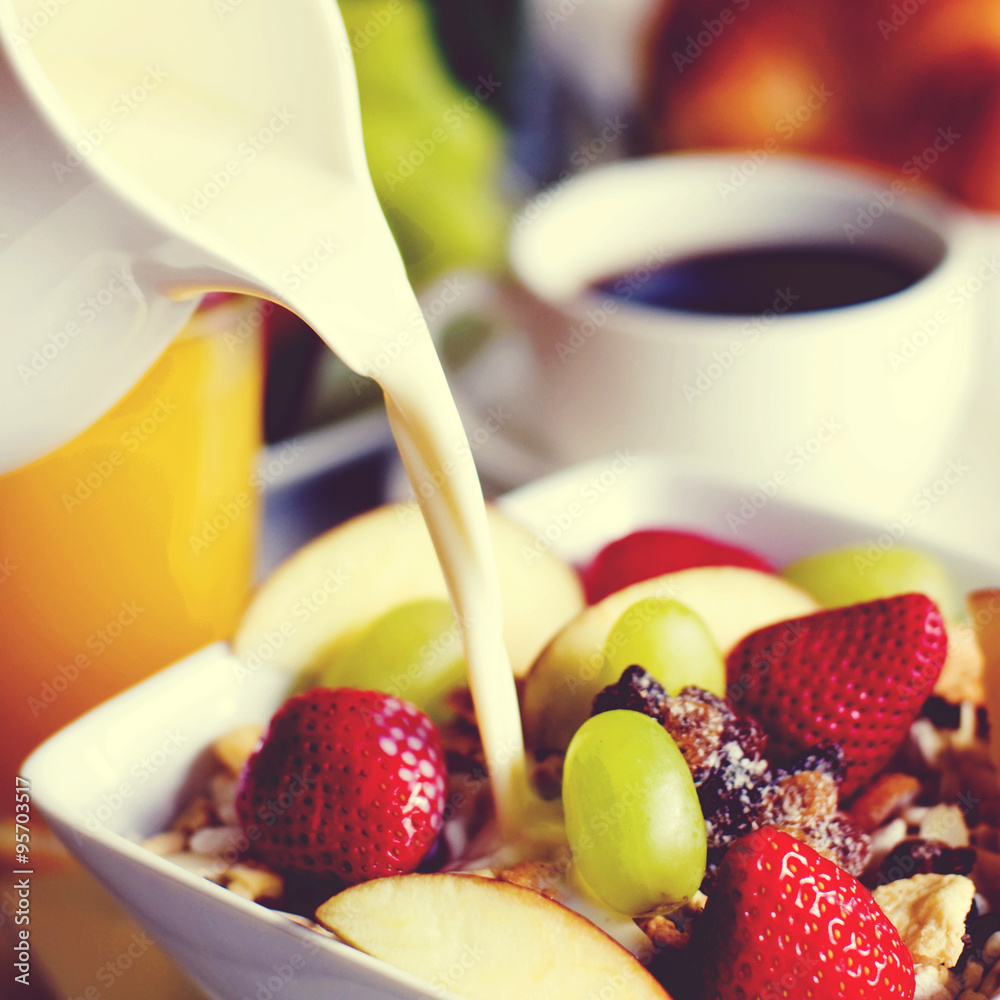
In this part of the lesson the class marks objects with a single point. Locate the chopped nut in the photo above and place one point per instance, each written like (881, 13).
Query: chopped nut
(664, 933)
(961, 676)
(253, 881)
(204, 865)
(223, 789)
(538, 875)
(197, 813)
(927, 743)
(697, 726)
(929, 912)
(886, 798)
(217, 840)
(934, 982)
(886, 838)
(972, 975)
(991, 983)
(233, 749)
(945, 823)
(697, 902)
(801, 799)
(169, 842)
(991, 950)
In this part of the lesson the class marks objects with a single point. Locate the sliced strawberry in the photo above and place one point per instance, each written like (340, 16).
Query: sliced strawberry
(345, 783)
(783, 921)
(655, 551)
(856, 675)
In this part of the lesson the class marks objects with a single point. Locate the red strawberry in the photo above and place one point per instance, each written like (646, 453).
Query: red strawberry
(856, 675)
(783, 921)
(655, 551)
(345, 782)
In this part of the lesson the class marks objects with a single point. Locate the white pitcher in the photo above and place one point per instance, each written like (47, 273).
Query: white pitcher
(98, 269)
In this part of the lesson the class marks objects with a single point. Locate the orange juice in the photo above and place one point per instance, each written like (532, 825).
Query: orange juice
(133, 544)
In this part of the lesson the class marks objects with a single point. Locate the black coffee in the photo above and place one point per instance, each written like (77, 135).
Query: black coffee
(747, 282)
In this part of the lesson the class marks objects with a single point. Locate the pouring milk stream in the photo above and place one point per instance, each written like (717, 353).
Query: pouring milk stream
(233, 131)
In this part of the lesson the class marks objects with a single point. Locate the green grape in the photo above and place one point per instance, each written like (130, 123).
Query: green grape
(670, 641)
(867, 572)
(632, 815)
(413, 651)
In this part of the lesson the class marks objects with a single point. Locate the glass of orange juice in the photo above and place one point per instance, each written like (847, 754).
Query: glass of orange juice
(133, 544)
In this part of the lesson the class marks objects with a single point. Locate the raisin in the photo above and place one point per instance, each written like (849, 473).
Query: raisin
(636, 691)
(925, 857)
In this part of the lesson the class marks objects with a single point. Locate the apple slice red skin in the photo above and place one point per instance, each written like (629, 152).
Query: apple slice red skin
(651, 552)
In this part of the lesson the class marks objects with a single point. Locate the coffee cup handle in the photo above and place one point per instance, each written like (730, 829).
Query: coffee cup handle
(458, 297)
(493, 377)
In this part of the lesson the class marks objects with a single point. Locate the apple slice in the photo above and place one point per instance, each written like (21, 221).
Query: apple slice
(732, 601)
(320, 599)
(485, 939)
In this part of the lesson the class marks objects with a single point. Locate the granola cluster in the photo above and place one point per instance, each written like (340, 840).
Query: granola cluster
(739, 789)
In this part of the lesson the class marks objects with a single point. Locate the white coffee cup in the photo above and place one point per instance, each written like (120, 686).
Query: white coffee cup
(851, 407)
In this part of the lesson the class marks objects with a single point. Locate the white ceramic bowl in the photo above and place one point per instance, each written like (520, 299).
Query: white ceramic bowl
(123, 770)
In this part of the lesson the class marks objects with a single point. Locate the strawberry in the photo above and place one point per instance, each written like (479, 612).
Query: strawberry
(856, 675)
(783, 921)
(655, 551)
(345, 783)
